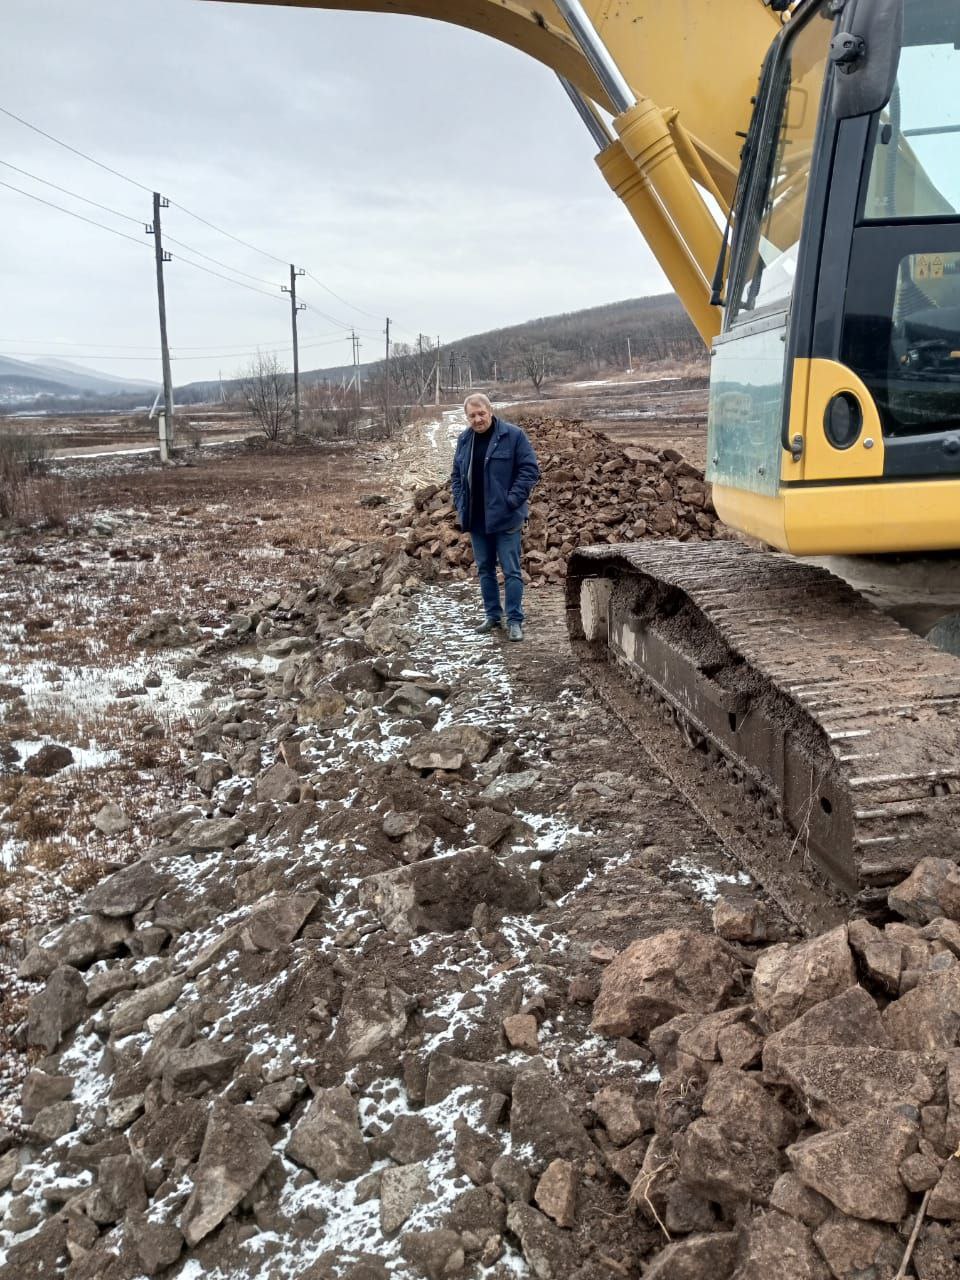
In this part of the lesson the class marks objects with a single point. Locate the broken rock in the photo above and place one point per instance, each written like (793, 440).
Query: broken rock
(928, 1017)
(856, 1167)
(556, 1192)
(541, 1116)
(327, 1138)
(56, 1009)
(931, 889)
(699, 1257)
(788, 980)
(234, 1154)
(441, 893)
(775, 1245)
(838, 1085)
(402, 1189)
(677, 971)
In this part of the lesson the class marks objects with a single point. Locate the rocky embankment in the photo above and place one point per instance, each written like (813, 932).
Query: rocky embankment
(334, 1020)
(591, 490)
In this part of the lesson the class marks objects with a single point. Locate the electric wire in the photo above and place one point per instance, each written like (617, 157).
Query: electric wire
(173, 204)
(129, 218)
(73, 194)
(228, 234)
(83, 155)
(73, 214)
(352, 305)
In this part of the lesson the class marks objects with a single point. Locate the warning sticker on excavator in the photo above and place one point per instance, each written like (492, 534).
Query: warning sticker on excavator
(929, 266)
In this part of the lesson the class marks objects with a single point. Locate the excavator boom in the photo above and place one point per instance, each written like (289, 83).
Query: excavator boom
(679, 135)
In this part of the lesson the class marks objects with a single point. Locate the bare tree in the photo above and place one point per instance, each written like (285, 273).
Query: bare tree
(266, 388)
(535, 362)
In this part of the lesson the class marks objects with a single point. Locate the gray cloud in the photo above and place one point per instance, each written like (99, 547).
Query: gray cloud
(414, 167)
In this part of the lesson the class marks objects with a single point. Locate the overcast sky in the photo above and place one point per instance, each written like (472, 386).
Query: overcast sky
(416, 169)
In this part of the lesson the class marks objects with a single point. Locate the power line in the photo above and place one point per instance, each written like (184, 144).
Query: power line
(226, 265)
(126, 178)
(229, 279)
(151, 346)
(352, 305)
(190, 213)
(47, 183)
(102, 225)
(228, 234)
(83, 155)
(130, 218)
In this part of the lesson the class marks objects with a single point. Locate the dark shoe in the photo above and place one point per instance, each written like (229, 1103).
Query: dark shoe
(515, 632)
(491, 624)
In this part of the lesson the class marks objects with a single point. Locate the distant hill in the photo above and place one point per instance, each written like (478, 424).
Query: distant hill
(568, 344)
(25, 379)
(595, 337)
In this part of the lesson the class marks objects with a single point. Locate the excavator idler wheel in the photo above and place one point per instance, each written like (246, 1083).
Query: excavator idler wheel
(594, 609)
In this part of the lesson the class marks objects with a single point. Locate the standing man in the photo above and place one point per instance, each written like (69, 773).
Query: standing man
(494, 470)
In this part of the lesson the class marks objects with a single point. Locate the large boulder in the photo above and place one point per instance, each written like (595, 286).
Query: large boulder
(856, 1167)
(788, 980)
(928, 1017)
(441, 893)
(838, 1085)
(77, 943)
(931, 889)
(128, 890)
(57, 1009)
(234, 1154)
(327, 1138)
(677, 971)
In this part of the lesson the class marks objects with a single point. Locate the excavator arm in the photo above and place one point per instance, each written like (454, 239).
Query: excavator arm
(677, 78)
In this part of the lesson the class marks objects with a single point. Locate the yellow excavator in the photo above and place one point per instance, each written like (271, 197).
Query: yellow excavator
(794, 165)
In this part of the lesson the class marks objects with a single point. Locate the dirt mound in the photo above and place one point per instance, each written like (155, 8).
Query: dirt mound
(591, 490)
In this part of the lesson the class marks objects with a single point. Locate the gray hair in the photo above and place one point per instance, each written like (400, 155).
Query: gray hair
(477, 398)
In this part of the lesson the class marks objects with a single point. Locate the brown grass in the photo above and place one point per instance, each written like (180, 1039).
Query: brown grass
(39, 826)
(85, 871)
(48, 855)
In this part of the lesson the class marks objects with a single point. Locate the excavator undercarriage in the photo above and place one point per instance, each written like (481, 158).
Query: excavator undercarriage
(832, 721)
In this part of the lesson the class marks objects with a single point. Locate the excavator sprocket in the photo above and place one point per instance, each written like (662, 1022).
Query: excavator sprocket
(839, 724)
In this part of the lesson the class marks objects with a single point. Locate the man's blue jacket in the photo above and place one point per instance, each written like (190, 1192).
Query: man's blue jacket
(509, 473)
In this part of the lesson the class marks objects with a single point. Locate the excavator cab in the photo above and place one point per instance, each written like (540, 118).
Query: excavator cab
(834, 423)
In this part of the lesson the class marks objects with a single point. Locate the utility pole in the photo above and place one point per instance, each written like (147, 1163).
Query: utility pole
(386, 386)
(436, 396)
(355, 339)
(420, 378)
(162, 256)
(629, 357)
(294, 308)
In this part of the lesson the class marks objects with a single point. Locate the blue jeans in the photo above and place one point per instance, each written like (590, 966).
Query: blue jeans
(488, 548)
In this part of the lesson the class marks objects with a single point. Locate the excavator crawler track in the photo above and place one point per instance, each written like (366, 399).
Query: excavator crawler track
(837, 723)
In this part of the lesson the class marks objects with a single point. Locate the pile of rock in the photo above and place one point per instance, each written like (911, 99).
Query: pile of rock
(324, 1026)
(807, 1126)
(591, 491)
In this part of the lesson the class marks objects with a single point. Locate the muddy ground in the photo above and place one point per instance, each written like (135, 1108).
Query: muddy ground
(617, 853)
(338, 942)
